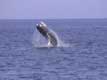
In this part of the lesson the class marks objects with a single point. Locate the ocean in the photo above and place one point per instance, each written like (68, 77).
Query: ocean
(84, 59)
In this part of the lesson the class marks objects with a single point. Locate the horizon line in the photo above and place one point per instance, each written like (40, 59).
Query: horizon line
(46, 18)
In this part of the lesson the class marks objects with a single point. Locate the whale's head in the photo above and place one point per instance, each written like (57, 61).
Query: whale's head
(42, 28)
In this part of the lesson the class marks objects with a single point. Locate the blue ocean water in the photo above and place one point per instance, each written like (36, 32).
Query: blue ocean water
(85, 59)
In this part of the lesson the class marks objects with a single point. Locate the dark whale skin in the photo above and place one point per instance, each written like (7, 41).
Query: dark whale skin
(42, 30)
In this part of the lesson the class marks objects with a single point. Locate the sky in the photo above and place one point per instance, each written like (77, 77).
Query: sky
(52, 9)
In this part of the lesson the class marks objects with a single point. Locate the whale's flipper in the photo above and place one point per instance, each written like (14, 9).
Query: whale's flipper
(52, 40)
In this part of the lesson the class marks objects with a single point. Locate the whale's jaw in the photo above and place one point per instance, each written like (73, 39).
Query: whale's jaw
(50, 36)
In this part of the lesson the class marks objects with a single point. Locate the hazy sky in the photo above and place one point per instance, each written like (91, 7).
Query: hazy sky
(34, 9)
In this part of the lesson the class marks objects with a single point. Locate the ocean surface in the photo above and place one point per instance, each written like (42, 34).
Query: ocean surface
(84, 59)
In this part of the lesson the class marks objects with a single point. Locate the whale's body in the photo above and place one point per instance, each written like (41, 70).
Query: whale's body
(48, 34)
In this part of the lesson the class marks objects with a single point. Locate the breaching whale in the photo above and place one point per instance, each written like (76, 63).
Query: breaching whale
(48, 34)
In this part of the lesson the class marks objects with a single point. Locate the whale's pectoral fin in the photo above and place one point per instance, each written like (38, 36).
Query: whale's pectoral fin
(52, 40)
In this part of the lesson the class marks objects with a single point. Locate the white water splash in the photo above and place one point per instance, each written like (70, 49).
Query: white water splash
(38, 40)
(60, 42)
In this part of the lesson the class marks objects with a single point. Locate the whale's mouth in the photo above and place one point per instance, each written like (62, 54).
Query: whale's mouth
(50, 36)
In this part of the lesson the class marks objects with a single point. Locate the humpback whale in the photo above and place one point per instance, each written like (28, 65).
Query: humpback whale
(48, 34)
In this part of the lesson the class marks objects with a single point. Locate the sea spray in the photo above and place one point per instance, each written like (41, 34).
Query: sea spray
(61, 43)
(38, 40)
